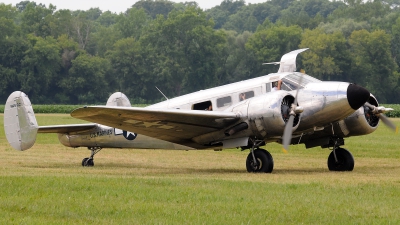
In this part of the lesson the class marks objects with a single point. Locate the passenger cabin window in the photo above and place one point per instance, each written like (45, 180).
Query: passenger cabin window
(207, 105)
(225, 101)
(246, 95)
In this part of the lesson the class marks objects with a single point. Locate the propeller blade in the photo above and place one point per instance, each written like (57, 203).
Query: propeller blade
(389, 123)
(287, 134)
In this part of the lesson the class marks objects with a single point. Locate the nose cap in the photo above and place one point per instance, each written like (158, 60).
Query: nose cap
(357, 96)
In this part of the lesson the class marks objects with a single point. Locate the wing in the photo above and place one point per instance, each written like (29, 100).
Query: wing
(173, 125)
(66, 128)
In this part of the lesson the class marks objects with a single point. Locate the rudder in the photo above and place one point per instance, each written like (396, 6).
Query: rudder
(20, 124)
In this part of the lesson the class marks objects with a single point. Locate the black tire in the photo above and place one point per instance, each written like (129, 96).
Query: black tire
(90, 162)
(265, 163)
(345, 160)
(271, 161)
(84, 161)
(87, 162)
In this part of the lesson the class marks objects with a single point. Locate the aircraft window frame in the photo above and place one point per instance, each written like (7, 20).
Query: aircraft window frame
(288, 86)
(224, 101)
(292, 81)
(247, 95)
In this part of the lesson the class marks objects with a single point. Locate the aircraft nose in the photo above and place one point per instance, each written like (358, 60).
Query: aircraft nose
(357, 96)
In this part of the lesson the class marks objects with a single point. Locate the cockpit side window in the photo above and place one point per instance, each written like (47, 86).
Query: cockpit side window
(288, 86)
(296, 80)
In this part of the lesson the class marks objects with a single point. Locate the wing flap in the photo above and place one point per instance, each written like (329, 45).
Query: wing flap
(178, 126)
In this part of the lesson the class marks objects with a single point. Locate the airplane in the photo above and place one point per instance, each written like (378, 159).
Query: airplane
(246, 115)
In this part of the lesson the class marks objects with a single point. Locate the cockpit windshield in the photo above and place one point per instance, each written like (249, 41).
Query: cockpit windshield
(296, 80)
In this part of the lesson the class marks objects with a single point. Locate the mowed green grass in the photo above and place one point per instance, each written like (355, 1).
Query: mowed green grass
(47, 185)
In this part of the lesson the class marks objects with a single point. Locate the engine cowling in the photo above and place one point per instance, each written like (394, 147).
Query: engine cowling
(268, 114)
(361, 122)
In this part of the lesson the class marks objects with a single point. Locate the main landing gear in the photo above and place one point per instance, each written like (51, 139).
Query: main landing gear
(259, 160)
(340, 159)
(89, 161)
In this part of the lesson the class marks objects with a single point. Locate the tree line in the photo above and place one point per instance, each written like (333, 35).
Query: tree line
(81, 57)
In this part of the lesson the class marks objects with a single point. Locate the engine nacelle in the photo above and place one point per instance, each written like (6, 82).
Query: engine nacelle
(361, 122)
(262, 116)
(268, 114)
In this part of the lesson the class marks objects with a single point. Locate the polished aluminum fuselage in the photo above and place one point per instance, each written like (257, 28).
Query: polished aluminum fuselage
(108, 137)
(325, 106)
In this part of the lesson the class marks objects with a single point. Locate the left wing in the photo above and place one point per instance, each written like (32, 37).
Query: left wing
(173, 125)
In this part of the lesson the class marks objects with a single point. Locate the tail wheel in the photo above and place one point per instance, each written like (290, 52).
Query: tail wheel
(87, 162)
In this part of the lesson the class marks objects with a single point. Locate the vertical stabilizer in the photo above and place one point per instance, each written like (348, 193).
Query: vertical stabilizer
(288, 61)
(20, 124)
(118, 99)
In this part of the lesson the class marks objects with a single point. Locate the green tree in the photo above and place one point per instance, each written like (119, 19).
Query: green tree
(82, 29)
(131, 23)
(127, 63)
(105, 38)
(63, 23)
(327, 58)
(87, 80)
(395, 42)
(360, 10)
(345, 26)
(220, 13)
(38, 19)
(268, 45)
(155, 7)
(185, 50)
(7, 16)
(242, 20)
(372, 64)
(107, 19)
(40, 63)
(238, 62)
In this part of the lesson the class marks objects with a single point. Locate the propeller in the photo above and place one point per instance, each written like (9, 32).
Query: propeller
(294, 109)
(378, 111)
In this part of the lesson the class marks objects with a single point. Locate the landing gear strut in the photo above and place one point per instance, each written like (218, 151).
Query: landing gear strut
(340, 159)
(259, 160)
(89, 161)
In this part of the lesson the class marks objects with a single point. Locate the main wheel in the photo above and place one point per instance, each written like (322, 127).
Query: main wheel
(264, 162)
(345, 160)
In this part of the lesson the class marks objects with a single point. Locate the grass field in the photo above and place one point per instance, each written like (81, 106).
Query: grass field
(47, 185)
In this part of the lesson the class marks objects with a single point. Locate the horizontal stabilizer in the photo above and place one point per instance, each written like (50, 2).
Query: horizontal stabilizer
(66, 128)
